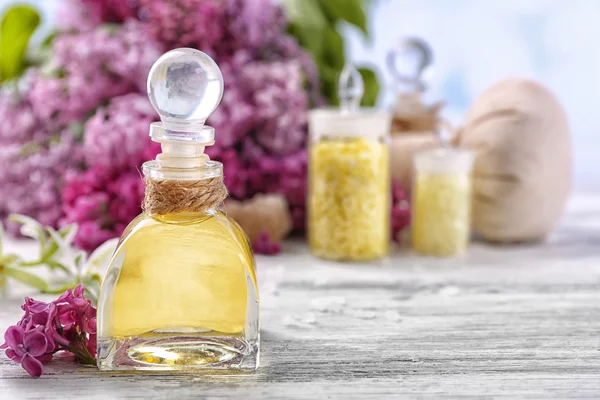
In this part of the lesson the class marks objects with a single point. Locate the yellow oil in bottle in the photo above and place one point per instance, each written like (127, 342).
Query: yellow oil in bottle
(180, 292)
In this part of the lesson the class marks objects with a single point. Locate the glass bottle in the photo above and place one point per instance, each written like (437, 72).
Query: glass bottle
(180, 291)
(441, 222)
(349, 180)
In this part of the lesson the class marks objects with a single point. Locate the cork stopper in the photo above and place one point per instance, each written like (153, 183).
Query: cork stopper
(184, 86)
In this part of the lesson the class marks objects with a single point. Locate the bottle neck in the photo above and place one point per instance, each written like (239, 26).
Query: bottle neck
(185, 218)
(159, 169)
(183, 190)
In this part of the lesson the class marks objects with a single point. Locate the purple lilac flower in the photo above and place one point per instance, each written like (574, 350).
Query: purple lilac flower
(185, 23)
(33, 163)
(117, 135)
(281, 105)
(264, 245)
(401, 211)
(18, 124)
(102, 201)
(234, 118)
(285, 175)
(254, 24)
(91, 67)
(83, 15)
(25, 348)
(261, 123)
(234, 174)
(115, 11)
(67, 323)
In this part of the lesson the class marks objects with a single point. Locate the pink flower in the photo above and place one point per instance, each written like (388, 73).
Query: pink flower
(234, 173)
(117, 135)
(185, 23)
(112, 10)
(102, 201)
(264, 245)
(32, 176)
(95, 78)
(255, 24)
(285, 175)
(77, 311)
(67, 323)
(41, 315)
(91, 67)
(127, 192)
(25, 347)
(88, 14)
(401, 211)
(233, 119)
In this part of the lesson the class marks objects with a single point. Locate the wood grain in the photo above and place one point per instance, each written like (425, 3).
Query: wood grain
(503, 322)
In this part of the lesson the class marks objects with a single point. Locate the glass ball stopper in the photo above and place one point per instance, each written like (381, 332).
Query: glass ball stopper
(184, 86)
(409, 62)
(351, 89)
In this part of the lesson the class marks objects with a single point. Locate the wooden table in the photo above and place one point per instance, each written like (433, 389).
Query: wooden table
(502, 322)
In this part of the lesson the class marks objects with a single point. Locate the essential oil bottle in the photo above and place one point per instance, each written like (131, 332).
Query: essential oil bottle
(180, 291)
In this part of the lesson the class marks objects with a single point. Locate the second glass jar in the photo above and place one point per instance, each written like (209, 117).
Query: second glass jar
(441, 204)
(349, 185)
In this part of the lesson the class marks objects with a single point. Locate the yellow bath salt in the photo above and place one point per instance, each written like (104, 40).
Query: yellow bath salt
(349, 201)
(441, 203)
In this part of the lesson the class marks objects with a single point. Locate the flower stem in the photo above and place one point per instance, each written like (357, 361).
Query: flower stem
(82, 355)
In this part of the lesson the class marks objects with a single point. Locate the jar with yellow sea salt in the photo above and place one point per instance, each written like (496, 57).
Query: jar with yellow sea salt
(441, 204)
(349, 180)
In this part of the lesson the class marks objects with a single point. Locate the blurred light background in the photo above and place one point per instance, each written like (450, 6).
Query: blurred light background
(478, 42)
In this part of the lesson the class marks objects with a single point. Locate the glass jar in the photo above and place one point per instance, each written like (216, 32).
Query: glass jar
(349, 185)
(180, 291)
(442, 201)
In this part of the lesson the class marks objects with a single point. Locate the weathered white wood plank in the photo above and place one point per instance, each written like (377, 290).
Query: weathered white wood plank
(511, 322)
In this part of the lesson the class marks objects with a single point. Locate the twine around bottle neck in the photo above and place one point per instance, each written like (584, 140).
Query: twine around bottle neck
(170, 196)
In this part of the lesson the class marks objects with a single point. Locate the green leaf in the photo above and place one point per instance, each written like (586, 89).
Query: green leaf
(60, 240)
(30, 228)
(49, 39)
(27, 264)
(48, 252)
(17, 26)
(315, 24)
(59, 289)
(56, 265)
(307, 24)
(305, 13)
(310, 39)
(334, 56)
(350, 11)
(329, 83)
(68, 233)
(79, 262)
(10, 259)
(371, 87)
(26, 277)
